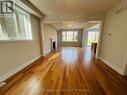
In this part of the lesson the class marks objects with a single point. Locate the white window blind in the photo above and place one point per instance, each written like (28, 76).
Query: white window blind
(10, 27)
(16, 26)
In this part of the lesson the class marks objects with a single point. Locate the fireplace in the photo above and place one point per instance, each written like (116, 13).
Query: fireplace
(53, 43)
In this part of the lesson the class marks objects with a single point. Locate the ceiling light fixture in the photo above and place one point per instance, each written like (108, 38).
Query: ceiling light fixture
(69, 25)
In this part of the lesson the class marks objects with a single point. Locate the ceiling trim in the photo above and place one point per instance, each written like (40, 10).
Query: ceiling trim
(34, 8)
(54, 27)
(85, 18)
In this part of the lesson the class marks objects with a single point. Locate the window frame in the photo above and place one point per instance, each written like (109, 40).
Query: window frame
(66, 36)
(95, 38)
(29, 36)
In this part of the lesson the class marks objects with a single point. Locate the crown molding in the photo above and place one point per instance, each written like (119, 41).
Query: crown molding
(34, 8)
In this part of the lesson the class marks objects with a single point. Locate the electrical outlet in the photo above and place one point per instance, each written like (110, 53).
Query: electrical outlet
(2, 84)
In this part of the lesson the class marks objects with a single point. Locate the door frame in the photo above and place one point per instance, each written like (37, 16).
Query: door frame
(99, 40)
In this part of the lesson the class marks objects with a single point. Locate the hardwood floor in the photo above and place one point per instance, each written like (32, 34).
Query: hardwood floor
(69, 71)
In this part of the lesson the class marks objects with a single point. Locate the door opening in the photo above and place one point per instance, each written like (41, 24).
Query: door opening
(93, 34)
(91, 37)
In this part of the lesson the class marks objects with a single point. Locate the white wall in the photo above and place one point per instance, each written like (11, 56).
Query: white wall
(49, 32)
(17, 54)
(84, 38)
(114, 46)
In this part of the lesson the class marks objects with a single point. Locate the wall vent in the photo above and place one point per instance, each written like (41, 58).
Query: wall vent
(120, 10)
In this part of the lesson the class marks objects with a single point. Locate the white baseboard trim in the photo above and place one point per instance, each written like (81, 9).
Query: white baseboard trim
(9, 74)
(112, 66)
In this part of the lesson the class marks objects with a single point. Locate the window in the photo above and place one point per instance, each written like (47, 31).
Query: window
(75, 36)
(92, 37)
(1, 31)
(16, 26)
(93, 34)
(69, 36)
(64, 36)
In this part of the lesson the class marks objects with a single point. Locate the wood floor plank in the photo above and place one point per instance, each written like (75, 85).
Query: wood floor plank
(68, 71)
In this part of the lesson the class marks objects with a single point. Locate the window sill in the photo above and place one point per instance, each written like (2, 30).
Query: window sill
(16, 40)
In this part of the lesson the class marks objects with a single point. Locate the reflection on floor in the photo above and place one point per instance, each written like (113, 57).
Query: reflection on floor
(69, 55)
(69, 71)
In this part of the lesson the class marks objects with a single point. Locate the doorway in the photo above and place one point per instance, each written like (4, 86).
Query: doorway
(91, 35)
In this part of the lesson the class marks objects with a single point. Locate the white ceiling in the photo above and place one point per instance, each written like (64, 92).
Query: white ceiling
(59, 11)
(73, 7)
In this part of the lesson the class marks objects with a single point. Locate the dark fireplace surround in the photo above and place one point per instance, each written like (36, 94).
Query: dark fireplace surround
(53, 43)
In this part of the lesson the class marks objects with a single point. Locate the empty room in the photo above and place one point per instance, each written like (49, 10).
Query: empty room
(63, 47)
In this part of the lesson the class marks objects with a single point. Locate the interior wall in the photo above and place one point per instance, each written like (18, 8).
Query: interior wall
(114, 48)
(72, 44)
(84, 38)
(58, 38)
(49, 32)
(16, 54)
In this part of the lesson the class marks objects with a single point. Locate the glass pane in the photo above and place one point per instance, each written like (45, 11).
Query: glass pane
(97, 37)
(4, 7)
(27, 27)
(1, 34)
(70, 36)
(22, 30)
(15, 26)
(91, 38)
(10, 27)
(63, 36)
(75, 36)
